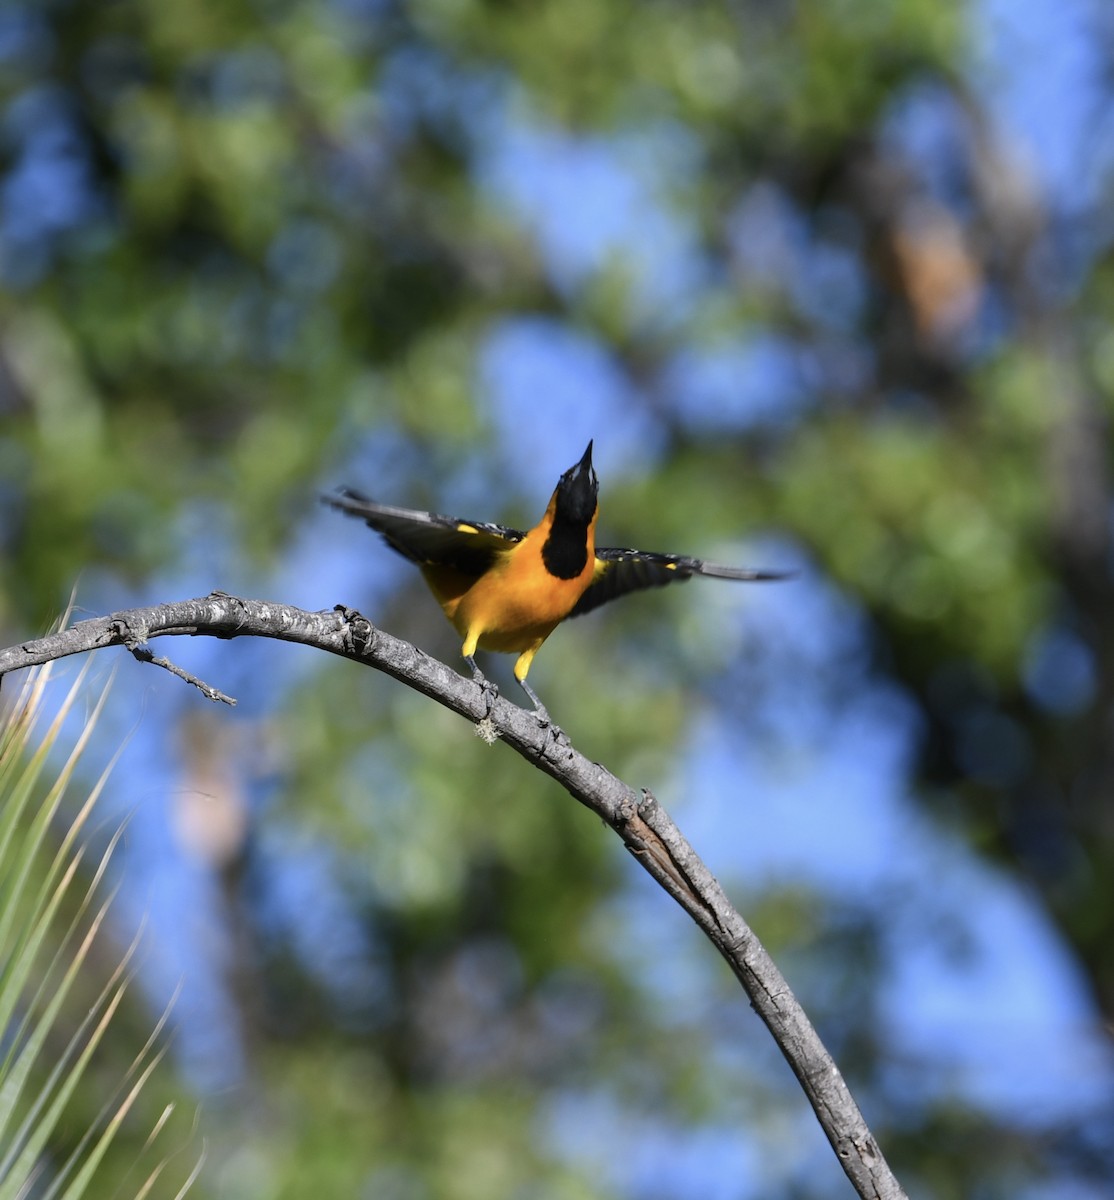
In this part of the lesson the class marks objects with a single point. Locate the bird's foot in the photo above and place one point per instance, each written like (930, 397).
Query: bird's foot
(554, 734)
(553, 731)
(556, 739)
(485, 727)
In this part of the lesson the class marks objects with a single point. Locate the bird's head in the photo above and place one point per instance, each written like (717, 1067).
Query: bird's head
(576, 492)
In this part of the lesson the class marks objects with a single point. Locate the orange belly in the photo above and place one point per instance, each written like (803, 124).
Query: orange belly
(514, 606)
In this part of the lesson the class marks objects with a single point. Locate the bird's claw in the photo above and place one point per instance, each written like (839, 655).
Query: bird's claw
(553, 732)
(491, 694)
(489, 689)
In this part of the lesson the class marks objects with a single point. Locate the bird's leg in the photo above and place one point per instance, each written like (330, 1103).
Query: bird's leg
(553, 732)
(521, 666)
(490, 690)
(539, 708)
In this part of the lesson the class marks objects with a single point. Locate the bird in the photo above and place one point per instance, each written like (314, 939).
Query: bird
(507, 589)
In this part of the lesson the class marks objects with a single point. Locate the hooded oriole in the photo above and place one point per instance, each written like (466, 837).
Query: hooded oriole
(506, 589)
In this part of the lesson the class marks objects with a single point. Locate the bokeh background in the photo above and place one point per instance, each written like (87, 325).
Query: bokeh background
(830, 283)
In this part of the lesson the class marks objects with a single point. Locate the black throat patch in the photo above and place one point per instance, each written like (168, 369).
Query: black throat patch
(565, 552)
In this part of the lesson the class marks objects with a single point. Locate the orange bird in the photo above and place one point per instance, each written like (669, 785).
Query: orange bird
(507, 589)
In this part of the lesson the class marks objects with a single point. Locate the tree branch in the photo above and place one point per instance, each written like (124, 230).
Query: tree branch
(644, 826)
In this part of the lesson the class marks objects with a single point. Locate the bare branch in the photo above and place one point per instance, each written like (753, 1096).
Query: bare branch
(142, 654)
(643, 824)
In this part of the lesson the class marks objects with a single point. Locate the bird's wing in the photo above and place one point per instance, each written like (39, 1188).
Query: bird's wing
(621, 571)
(429, 539)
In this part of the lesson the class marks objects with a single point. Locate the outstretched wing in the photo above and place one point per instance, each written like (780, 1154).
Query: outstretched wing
(427, 538)
(621, 571)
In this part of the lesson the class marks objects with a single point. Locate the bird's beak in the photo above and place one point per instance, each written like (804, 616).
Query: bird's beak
(581, 470)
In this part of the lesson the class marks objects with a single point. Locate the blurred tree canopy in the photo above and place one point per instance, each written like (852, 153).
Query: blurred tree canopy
(784, 261)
